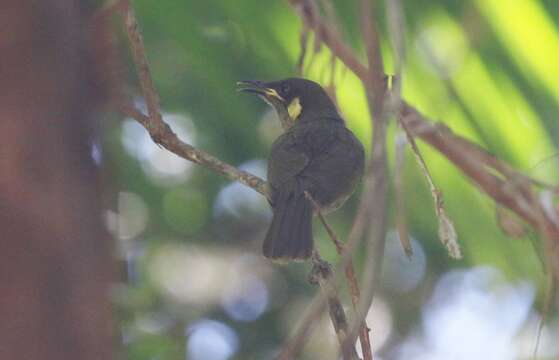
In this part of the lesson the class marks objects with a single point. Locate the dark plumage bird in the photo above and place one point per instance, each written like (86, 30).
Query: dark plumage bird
(317, 154)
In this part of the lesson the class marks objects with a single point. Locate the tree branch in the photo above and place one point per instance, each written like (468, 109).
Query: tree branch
(329, 36)
(352, 280)
(464, 154)
(321, 274)
(511, 189)
(163, 135)
(169, 140)
(377, 173)
(160, 131)
(477, 163)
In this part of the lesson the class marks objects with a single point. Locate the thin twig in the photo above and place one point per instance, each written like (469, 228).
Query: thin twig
(401, 223)
(311, 19)
(375, 177)
(396, 31)
(375, 181)
(473, 161)
(156, 125)
(321, 274)
(375, 73)
(163, 135)
(377, 228)
(376, 100)
(169, 140)
(447, 233)
(467, 156)
(329, 230)
(329, 36)
(463, 153)
(351, 278)
(396, 26)
(160, 132)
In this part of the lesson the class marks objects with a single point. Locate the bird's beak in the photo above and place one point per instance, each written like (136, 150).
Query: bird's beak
(260, 88)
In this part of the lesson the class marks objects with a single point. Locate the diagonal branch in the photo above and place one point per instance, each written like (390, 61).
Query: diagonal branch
(160, 132)
(447, 233)
(493, 176)
(377, 174)
(329, 36)
(352, 280)
(170, 141)
(321, 274)
(482, 168)
(464, 154)
(163, 135)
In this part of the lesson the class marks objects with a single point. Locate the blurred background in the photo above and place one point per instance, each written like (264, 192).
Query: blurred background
(193, 282)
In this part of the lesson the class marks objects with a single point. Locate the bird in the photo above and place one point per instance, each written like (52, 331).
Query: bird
(316, 162)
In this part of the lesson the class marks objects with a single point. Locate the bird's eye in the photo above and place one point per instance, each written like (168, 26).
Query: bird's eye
(285, 88)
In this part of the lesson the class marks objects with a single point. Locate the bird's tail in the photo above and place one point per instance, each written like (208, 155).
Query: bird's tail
(290, 234)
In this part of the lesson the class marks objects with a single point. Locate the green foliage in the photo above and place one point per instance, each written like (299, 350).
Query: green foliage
(487, 70)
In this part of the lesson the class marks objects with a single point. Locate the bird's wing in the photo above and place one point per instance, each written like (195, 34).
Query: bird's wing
(288, 158)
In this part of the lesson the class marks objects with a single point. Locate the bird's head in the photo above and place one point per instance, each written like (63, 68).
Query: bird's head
(294, 99)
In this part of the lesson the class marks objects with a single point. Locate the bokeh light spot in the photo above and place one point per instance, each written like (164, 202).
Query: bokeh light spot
(443, 44)
(238, 200)
(131, 217)
(245, 299)
(163, 167)
(400, 273)
(189, 274)
(96, 153)
(210, 340)
(473, 314)
(379, 319)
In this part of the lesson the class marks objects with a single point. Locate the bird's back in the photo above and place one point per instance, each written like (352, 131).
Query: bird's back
(322, 157)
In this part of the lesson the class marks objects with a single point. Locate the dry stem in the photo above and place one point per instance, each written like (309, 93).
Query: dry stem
(493, 176)
(163, 135)
(472, 160)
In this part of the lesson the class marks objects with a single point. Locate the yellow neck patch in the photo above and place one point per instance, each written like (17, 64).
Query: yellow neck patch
(294, 109)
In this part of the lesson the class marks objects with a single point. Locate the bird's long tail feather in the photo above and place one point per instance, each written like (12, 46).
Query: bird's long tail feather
(290, 233)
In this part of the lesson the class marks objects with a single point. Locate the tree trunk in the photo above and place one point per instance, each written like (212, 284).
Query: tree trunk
(55, 265)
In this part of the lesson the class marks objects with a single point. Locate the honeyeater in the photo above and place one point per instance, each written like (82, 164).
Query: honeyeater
(316, 155)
